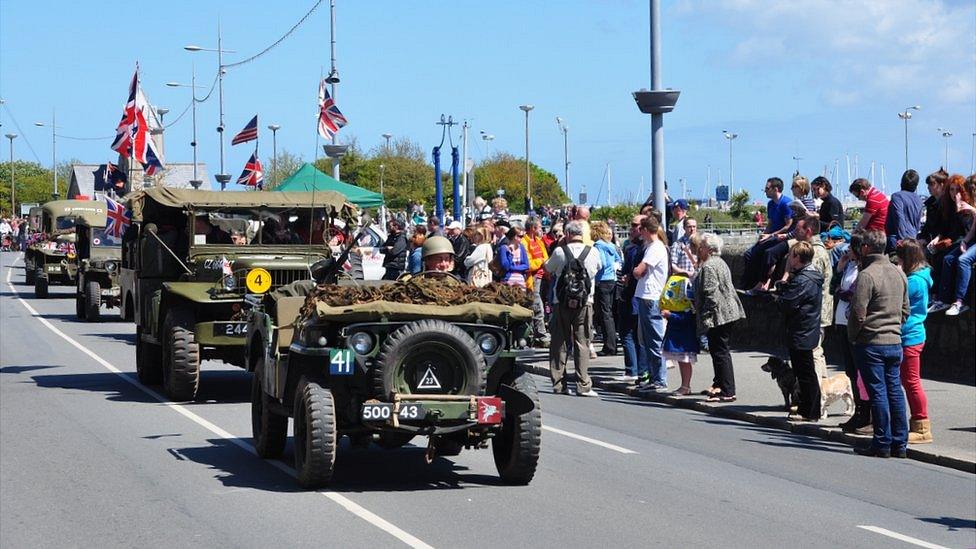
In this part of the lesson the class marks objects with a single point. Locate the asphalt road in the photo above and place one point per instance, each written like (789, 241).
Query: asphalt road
(90, 457)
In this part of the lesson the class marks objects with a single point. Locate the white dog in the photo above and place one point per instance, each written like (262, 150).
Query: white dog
(834, 388)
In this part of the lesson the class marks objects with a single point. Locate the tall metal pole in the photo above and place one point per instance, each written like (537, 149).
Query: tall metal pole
(13, 188)
(54, 151)
(274, 151)
(946, 134)
(220, 96)
(566, 157)
(193, 116)
(528, 184)
(907, 116)
(383, 195)
(464, 169)
(657, 119)
(333, 78)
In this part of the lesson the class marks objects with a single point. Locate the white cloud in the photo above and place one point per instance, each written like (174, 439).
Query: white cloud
(856, 49)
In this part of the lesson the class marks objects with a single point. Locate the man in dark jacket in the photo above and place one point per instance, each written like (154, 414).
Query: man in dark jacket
(904, 212)
(396, 249)
(800, 301)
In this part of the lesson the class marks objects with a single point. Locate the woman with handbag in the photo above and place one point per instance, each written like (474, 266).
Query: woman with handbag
(479, 273)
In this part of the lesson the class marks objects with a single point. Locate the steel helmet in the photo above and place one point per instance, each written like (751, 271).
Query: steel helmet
(437, 245)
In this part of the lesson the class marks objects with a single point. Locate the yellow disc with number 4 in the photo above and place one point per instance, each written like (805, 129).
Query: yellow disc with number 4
(258, 281)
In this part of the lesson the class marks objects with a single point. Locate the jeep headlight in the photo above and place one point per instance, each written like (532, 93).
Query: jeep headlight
(361, 343)
(488, 343)
(111, 266)
(229, 283)
(314, 337)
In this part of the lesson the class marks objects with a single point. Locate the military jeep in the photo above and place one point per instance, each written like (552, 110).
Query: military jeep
(385, 372)
(191, 252)
(99, 256)
(50, 258)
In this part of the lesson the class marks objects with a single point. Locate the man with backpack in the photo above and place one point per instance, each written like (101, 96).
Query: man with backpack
(573, 267)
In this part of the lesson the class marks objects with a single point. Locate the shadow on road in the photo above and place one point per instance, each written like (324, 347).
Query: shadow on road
(224, 386)
(356, 470)
(127, 337)
(22, 369)
(952, 524)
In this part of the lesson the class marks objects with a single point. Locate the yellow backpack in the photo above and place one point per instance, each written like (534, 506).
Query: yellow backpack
(676, 296)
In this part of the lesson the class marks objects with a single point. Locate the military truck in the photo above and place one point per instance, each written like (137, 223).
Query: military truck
(99, 249)
(191, 252)
(50, 258)
(385, 372)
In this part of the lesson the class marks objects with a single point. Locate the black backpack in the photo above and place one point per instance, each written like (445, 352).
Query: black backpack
(573, 286)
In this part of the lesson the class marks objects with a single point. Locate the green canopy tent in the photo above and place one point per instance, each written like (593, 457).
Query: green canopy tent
(308, 178)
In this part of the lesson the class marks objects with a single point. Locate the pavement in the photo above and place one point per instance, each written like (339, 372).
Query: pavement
(951, 406)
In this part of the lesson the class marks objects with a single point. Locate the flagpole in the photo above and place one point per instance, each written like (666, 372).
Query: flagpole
(132, 143)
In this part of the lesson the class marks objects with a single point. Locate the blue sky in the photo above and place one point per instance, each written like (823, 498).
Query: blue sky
(819, 79)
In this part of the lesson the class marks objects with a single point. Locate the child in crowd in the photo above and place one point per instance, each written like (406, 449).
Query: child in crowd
(680, 338)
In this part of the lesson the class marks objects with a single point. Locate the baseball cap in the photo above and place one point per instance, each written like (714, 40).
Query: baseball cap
(680, 203)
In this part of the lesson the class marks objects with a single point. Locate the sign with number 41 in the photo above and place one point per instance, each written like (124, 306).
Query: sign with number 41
(341, 362)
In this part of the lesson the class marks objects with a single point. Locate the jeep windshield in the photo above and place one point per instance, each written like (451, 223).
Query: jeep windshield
(243, 227)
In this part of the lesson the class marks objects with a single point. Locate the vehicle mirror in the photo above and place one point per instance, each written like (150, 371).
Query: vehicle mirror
(320, 269)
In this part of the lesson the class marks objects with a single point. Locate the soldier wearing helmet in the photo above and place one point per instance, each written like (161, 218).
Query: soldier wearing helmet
(438, 254)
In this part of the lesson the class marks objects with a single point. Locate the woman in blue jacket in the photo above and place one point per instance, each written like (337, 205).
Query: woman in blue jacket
(513, 258)
(912, 260)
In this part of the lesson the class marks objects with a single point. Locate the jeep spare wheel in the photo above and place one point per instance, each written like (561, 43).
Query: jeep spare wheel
(430, 357)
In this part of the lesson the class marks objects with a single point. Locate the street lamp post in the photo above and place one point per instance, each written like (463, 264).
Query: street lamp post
(387, 136)
(906, 115)
(528, 184)
(946, 134)
(54, 151)
(383, 196)
(221, 177)
(565, 130)
(731, 137)
(274, 150)
(195, 182)
(487, 138)
(13, 189)
(797, 159)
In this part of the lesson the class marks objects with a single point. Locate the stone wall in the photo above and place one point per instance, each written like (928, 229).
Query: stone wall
(950, 348)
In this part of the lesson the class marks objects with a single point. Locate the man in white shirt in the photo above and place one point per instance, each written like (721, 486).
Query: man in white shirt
(571, 322)
(651, 274)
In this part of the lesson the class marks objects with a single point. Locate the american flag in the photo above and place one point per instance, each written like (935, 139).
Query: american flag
(249, 133)
(253, 174)
(117, 219)
(330, 119)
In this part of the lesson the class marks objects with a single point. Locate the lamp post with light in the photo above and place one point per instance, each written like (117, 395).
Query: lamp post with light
(528, 184)
(274, 150)
(54, 151)
(565, 131)
(195, 182)
(13, 188)
(731, 137)
(906, 115)
(946, 134)
(221, 177)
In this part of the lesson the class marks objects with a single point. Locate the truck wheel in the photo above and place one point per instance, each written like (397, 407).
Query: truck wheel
(181, 356)
(315, 434)
(149, 362)
(516, 448)
(40, 285)
(270, 430)
(431, 352)
(28, 274)
(127, 311)
(93, 301)
(80, 303)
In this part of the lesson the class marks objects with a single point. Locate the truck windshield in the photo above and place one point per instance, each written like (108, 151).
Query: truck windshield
(65, 223)
(241, 228)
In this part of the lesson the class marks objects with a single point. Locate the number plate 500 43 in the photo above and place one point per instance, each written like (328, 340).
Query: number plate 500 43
(382, 412)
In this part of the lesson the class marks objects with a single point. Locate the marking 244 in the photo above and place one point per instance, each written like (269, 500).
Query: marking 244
(230, 329)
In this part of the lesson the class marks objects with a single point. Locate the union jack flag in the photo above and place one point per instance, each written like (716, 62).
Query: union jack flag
(249, 133)
(152, 164)
(330, 119)
(253, 174)
(130, 129)
(117, 219)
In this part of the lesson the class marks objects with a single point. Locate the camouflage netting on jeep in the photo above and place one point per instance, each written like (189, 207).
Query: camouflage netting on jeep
(419, 298)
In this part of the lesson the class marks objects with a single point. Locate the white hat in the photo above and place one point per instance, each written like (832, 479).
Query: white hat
(454, 225)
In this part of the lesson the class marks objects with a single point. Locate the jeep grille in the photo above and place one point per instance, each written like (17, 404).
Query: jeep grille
(279, 277)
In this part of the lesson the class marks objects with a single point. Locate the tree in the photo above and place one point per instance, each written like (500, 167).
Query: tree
(621, 213)
(737, 206)
(507, 172)
(34, 183)
(277, 169)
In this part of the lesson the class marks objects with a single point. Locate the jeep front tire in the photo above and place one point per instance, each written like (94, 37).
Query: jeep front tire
(516, 447)
(40, 284)
(93, 301)
(181, 356)
(315, 434)
(149, 362)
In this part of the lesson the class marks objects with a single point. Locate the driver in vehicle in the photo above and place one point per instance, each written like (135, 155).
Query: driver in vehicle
(214, 235)
(438, 254)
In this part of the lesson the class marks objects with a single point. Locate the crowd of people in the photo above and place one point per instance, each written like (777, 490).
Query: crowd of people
(13, 233)
(664, 295)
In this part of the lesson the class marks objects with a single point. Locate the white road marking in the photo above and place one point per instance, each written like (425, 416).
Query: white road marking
(343, 501)
(900, 537)
(606, 445)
